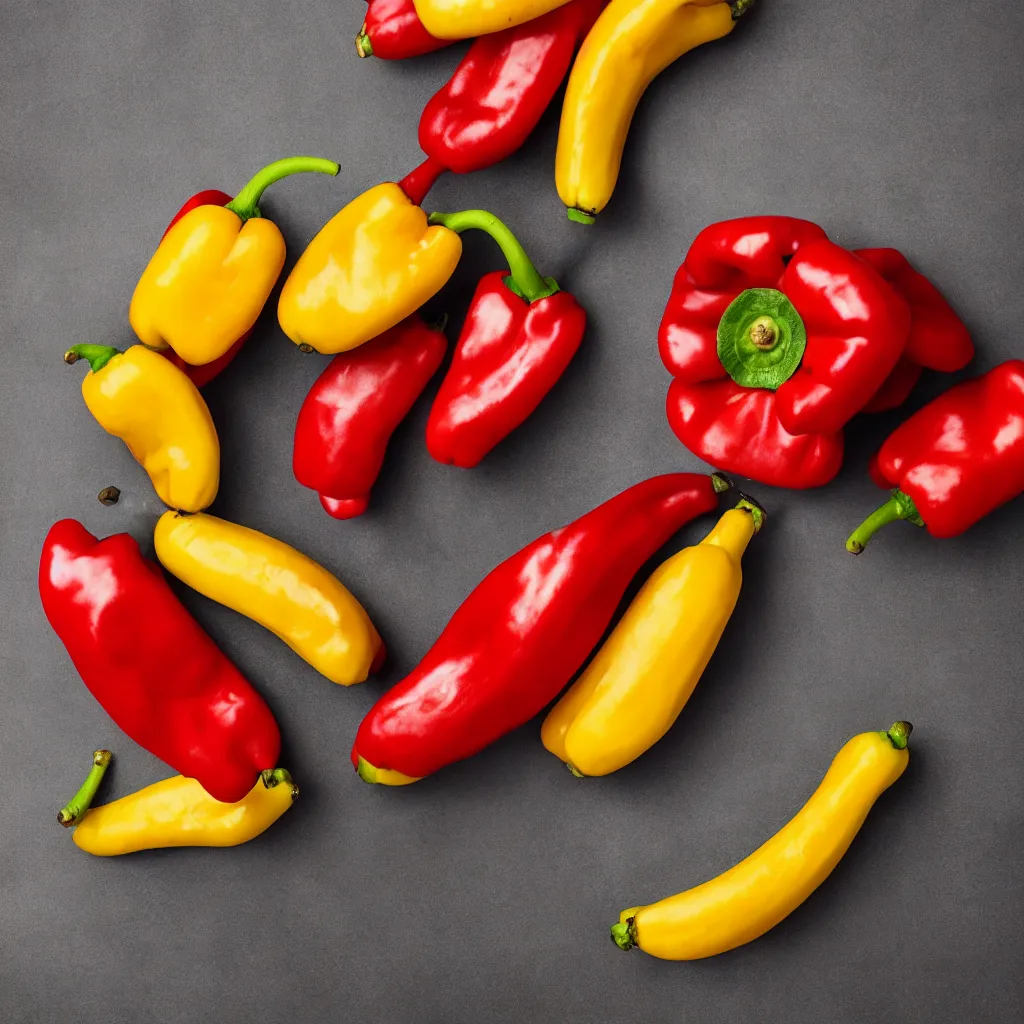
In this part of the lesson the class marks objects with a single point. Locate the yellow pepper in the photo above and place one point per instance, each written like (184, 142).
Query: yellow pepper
(174, 812)
(278, 587)
(634, 689)
(463, 19)
(372, 265)
(142, 398)
(631, 43)
(213, 272)
(759, 892)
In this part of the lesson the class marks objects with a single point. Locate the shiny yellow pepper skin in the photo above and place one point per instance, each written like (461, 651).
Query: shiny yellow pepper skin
(759, 892)
(631, 43)
(174, 812)
(636, 686)
(213, 272)
(372, 265)
(142, 398)
(463, 19)
(275, 585)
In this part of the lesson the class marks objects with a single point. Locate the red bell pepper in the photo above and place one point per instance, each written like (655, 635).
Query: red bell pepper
(393, 30)
(955, 460)
(519, 336)
(150, 665)
(521, 635)
(352, 410)
(501, 89)
(201, 375)
(771, 303)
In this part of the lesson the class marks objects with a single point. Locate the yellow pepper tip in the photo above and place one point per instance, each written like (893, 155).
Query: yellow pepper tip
(275, 776)
(366, 771)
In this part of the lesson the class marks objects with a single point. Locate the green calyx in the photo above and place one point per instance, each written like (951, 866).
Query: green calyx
(74, 810)
(578, 216)
(624, 934)
(899, 507)
(273, 777)
(761, 339)
(524, 278)
(366, 771)
(246, 204)
(740, 7)
(758, 514)
(899, 734)
(721, 483)
(363, 45)
(574, 771)
(97, 356)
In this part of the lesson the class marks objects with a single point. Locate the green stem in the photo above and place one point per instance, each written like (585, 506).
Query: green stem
(740, 7)
(759, 515)
(275, 776)
(720, 482)
(363, 45)
(246, 203)
(525, 279)
(899, 734)
(899, 506)
(97, 356)
(71, 813)
(624, 934)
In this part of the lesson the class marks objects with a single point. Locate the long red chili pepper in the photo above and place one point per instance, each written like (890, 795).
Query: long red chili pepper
(149, 663)
(519, 637)
(393, 30)
(519, 336)
(502, 87)
(352, 410)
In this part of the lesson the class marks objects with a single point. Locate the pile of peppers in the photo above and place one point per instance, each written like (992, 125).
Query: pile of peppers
(776, 337)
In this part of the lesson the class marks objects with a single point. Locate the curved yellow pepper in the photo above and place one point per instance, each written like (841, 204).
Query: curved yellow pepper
(463, 19)
(759, 892)
(631, 43)
(142, 398)
(213, 272)
(275, 585)
(634, 689)
(174, 812)
(372, 265)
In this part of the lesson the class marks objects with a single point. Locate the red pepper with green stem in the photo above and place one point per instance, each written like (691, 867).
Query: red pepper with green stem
(502, 87)
(954, 461)
(393, 30)
(150, 665)
(523, 633)
(520, 334)
(350, 413)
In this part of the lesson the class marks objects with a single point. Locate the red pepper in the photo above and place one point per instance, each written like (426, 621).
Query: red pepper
(149, 663)
(393, 30)
(501, 89)
(519, 336)
(955, 460)
(202, 375)
(352, 410)
(521, 635)
(771, 303)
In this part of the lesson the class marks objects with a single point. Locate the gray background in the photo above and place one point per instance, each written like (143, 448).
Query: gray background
(486, 893)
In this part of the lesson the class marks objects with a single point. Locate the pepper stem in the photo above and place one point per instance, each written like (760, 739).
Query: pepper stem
(624, 934)
(71, 813)
(899, 734)
(246, 204)
(720, 482)
(525, 279)
(275, 776)
(97, 356)
(363, 45)
(758, 514)
(899, 506)
(420, 180)
(740, 7)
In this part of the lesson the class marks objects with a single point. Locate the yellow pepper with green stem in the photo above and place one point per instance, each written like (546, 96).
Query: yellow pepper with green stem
(636, 686)
(142, 398)
(174, 812)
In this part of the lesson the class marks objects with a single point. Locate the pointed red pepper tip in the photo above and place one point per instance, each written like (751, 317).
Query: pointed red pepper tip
(344, 508)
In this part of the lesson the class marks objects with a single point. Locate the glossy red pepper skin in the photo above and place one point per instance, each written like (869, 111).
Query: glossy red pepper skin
(149, 663)
(395, 31)
(521, 635)
(962, 455)
(502, 87)
(510, 354)
(352, 410)
(202, 375)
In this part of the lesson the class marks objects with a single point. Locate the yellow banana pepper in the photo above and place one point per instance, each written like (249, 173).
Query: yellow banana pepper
(634, 689)
(212, 273)
(759, 892)
(142, 398)
(278, 587)
(464, 19)
(174, 812)
(631, 43)
(372, 265)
